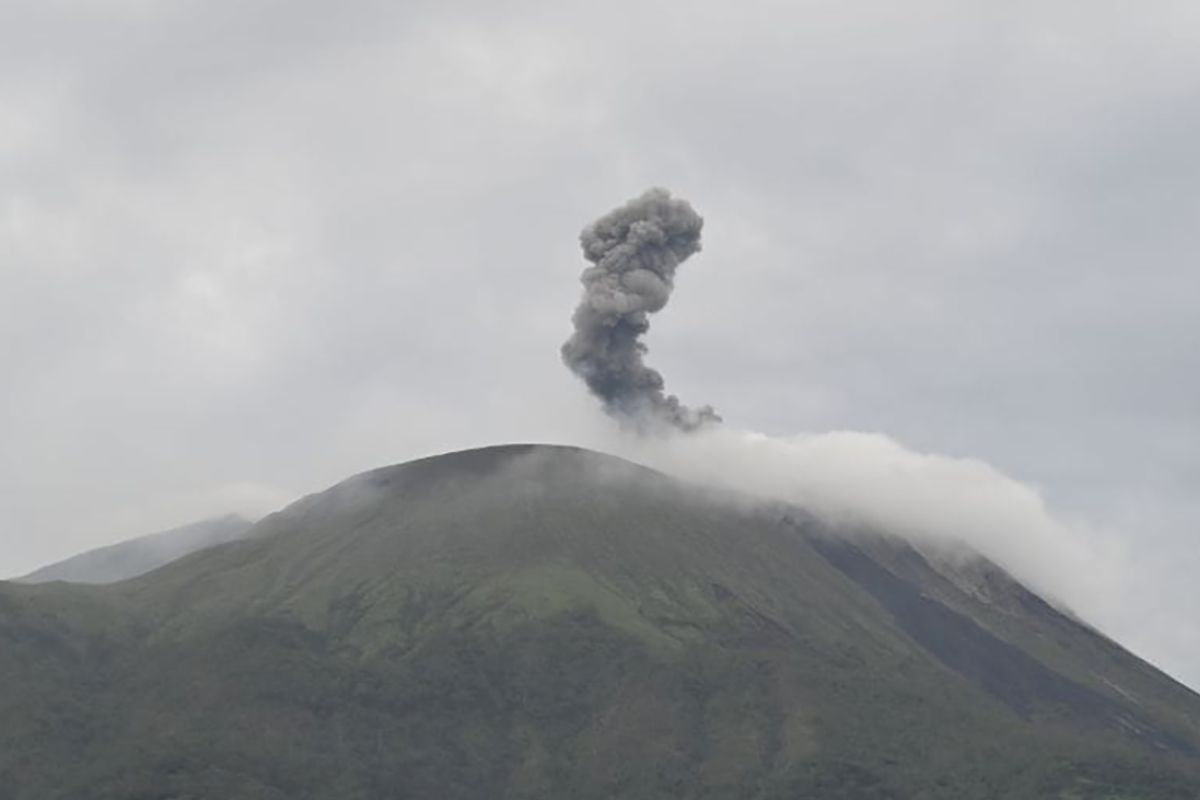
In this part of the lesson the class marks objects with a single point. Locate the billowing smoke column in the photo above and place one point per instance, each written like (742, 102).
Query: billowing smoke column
(635, 251)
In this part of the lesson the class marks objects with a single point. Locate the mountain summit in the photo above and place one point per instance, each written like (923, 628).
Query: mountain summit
(542, 622)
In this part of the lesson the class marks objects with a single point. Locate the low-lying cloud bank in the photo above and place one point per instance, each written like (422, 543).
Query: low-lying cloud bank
(870, 479)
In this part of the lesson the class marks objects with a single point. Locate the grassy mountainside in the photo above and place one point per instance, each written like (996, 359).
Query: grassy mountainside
(138, 556)
(537, 622)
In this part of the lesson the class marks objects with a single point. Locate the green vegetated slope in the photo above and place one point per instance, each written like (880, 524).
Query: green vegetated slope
(545, 622)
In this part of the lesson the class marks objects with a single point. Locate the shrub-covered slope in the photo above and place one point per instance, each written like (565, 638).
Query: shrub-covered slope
(544, 622)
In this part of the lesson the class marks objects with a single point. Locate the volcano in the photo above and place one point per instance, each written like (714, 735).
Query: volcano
(534, 621)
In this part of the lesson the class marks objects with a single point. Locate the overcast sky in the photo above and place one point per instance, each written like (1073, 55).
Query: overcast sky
(249, 248)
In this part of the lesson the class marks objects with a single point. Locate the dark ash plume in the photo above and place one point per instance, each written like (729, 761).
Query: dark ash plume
(635, 250)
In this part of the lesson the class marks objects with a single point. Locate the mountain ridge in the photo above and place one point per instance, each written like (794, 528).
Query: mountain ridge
(137, 556)
(533, 621)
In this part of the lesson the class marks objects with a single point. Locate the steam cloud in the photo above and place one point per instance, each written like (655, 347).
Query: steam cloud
(948, 508)
(635, 250)
(940, 504)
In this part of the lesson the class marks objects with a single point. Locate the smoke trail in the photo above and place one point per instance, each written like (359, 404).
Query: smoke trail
(635, 250)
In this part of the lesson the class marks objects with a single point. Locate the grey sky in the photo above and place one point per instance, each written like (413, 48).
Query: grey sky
(247, 249)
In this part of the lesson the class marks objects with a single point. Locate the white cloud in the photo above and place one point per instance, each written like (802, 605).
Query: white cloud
(870, 479)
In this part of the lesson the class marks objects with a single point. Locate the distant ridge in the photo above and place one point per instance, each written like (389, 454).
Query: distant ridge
(134, 557)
